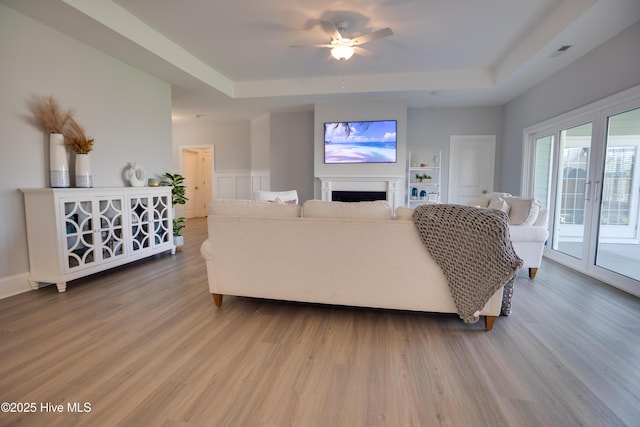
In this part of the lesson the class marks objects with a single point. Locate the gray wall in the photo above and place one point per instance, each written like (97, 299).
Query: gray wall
(231, 141)
(127, 111)
(429, 130)
(610, 68)
(291, 153)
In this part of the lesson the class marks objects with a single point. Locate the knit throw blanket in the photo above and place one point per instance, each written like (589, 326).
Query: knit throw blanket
(473, 248)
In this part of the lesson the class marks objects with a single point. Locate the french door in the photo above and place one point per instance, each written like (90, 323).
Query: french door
(585, 170)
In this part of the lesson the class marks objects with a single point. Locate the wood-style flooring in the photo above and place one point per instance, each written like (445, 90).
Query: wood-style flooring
(144, 345)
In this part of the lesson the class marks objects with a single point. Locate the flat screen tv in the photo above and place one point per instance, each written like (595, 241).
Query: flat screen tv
(361, 142)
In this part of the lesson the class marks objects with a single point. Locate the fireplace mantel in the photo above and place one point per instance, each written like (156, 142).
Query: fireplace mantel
(390, 184)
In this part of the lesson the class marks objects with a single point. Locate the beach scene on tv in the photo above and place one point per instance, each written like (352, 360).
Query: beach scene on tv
(360, 142)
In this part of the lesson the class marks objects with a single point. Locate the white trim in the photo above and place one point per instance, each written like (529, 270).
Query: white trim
(14, 285)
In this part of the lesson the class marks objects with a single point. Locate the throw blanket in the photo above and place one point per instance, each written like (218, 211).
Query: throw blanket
(473, 248)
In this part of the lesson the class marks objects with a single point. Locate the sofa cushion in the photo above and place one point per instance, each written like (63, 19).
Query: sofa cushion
(379, 209)
(523, 211)
(288, 197)
(253, 208)
(497, 202)
(405, 213)
(484, 200)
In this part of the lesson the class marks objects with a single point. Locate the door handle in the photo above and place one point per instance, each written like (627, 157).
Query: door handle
(587, 190)
(596, 190)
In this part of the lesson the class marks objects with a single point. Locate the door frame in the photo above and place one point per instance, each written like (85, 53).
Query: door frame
(596, 113)
(182, 148)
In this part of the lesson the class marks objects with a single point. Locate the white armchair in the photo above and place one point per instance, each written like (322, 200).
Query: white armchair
(288, 197)
(527, 225)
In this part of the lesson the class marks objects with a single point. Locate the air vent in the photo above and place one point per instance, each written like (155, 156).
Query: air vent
(560, 50)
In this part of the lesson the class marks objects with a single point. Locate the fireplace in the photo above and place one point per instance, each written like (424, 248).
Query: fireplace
(358, 196)
(364, 188)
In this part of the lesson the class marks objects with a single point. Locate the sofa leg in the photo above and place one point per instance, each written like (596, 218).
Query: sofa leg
(217, 299)
(488, 322)
(532, 273)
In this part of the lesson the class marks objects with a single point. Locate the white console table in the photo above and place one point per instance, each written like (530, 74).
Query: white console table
(74, 232)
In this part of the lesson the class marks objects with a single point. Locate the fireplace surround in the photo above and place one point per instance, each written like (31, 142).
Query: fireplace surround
(388, 185)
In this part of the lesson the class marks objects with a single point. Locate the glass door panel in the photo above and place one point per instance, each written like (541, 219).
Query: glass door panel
(618, 245)
(572, 190)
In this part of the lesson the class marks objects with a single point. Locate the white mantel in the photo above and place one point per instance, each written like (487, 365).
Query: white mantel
(390, 184)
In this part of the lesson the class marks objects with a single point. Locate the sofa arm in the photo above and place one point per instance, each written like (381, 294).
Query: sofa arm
(205, 250)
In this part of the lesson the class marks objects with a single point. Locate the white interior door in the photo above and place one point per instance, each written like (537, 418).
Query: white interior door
(471, 164)
(191, 174)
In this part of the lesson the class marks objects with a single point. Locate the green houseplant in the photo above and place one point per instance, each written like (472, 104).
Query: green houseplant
(178, 197)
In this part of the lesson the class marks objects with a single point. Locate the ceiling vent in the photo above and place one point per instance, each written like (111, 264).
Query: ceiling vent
(560, 50)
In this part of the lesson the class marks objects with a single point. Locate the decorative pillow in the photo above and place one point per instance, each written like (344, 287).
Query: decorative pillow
(403, 212)
(499, 203)
(379, 209)
(484, 200)
(523, 211)
(289, 197)
(253, 208)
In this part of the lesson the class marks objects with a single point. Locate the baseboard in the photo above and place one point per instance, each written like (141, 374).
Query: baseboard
(14, 285)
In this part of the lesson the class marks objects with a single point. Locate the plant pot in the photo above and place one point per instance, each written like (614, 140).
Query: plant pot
(178, 240)
(58, 162)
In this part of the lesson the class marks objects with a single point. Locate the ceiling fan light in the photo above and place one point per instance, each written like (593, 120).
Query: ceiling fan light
(342, 52)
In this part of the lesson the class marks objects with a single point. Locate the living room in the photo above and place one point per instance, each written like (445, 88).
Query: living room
(129, 112)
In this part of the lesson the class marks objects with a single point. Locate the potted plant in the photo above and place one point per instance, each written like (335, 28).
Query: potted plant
(82, 145)
(178, 197)
(54, 121)
(423, 178)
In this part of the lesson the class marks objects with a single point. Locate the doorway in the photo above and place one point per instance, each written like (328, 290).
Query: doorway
(585, 170)
(198, 170)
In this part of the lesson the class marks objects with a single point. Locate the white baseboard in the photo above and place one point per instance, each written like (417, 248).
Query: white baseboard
(14, 285)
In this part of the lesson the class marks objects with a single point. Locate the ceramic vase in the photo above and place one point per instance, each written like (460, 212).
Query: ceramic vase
(84, 178)
(136, 175)
(58, 161)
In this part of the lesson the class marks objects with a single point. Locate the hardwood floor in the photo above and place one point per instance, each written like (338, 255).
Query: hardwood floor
(145, 345)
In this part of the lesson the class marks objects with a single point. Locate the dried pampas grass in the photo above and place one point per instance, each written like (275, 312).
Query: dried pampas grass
(51, 117)
(77, 138)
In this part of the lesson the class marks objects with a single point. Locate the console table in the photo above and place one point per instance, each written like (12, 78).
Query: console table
(74, 232)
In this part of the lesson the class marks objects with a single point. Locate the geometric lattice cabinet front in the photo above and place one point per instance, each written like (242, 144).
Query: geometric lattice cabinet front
(74, 232)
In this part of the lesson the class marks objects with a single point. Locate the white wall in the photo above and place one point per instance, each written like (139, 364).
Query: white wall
(610, 68)
(127, 111)
(429, 130)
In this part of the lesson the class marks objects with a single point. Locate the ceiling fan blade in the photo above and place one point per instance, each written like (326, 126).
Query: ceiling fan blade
(364, 52)
(311, 45)
(365, 38)
(331, 29)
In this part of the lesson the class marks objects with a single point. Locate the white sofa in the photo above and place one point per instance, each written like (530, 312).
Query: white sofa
(527, 225)
(350, 254)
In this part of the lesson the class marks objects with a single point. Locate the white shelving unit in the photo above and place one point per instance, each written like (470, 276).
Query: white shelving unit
(420, 192)
(75, 232)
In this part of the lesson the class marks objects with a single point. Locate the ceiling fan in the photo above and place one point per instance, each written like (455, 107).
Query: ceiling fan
(343, 48)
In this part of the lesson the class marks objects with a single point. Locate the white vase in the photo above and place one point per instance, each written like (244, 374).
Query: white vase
(58, 161)
(84, 178)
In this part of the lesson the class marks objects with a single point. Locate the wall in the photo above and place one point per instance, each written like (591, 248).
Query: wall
(429, 130)
(608, 69)
(356, 111)
(127, 111)
(291, 153)
(231, 141)
(260, 143)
